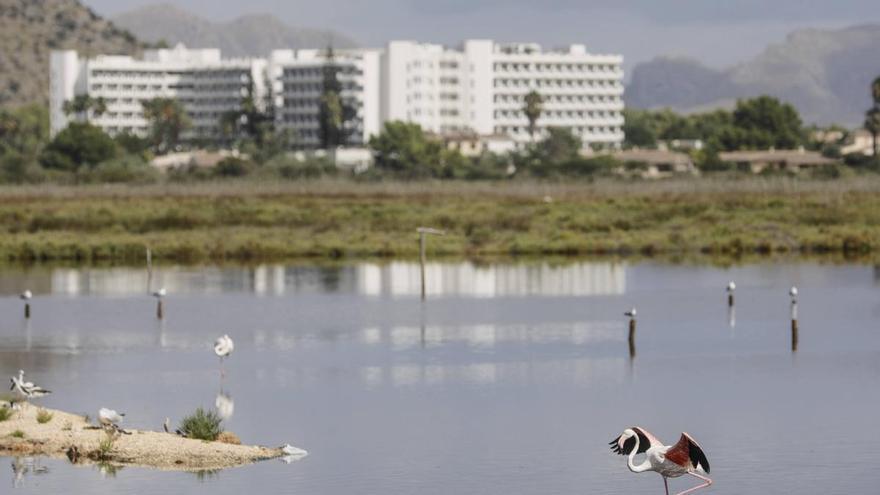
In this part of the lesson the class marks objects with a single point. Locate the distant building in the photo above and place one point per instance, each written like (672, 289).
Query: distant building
(478, 88)
(790, 160)
(297, 78)
(481, 88)
(205, 84)
(471, 144)
(655, 164)
(858, 141)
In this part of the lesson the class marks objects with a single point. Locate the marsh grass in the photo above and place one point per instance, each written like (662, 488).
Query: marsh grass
(17, 434)
(202, 425)
(5, 413)
(249, 220)
(44, 416)
(105, 447)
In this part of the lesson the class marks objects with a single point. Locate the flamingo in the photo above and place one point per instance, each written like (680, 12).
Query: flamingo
(631, 313)
(223, 347)
(685, 457)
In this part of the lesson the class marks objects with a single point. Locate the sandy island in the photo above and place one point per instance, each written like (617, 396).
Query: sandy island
(158, 450)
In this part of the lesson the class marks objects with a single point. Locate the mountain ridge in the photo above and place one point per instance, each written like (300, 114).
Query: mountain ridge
(825, 73)
(244, 36)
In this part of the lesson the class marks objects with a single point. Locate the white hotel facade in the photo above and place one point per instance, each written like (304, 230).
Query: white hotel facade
(477, 88)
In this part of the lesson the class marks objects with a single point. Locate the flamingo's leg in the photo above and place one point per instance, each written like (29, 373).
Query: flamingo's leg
(707, 481)
(666, 485)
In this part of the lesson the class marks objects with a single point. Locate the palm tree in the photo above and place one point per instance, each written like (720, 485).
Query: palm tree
(534, 106)
(85, 105)
(875, 91)
(168, 121)
(872, 125)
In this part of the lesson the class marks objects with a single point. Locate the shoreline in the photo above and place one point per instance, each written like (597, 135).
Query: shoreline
(69, 436)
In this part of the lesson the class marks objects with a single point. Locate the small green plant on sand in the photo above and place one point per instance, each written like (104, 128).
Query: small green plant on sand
(44, 416)
(17, 434)
(202, 425)
(5, 413)
(106, 447)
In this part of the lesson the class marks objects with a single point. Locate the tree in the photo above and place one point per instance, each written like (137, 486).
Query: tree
(638, 129)
(872, 125)
(875, 91)
(335, 112)
(85, 106)
(168, 121)
(765, 122)
(403, 149)
(80, 144)
(534, 106)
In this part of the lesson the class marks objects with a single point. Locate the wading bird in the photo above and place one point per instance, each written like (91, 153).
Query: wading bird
(631, 313)
(793, 292)
(731, 286)
(27, 389)
(685, 457)
(223, 347)
(26, 295)
(159, 294)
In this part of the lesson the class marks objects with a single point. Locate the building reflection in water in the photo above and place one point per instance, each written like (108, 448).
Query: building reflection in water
(396, 279)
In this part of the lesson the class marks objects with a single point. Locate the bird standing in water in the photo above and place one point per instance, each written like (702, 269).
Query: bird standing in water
(223, 347)
(685, 457)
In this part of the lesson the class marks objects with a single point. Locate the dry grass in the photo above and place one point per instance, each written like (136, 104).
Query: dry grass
(248, 220)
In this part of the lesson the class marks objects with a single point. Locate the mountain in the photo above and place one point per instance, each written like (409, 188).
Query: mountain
(31, 29)
(251, 35)
(824, 73)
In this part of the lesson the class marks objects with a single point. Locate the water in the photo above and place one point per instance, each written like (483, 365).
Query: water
(512, 379)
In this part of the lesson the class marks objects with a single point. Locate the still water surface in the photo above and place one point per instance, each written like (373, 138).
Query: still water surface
(510, 380)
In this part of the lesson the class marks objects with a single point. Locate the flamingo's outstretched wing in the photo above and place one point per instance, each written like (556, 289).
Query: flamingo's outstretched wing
(688, 453)
(646, 441)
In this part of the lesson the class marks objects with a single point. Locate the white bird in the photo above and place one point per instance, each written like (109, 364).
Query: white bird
(223, 347)
(685, 457)
(27, 389)
(225, 406)
(793, 292)
(290, 450)
(159, 294)
(109, 417)
(731, 286)
(631, 313)
(26, 295)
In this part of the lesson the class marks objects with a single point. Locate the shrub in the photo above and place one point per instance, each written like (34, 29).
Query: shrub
(202, 425)
(128, 169)
(233, 167)
(43, 416)
(5, 413)
(17, 434)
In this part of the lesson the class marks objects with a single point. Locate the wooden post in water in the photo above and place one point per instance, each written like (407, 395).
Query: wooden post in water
(423, 232)
(632, 338)
(27, 310)
(160, 313)
(794, 326)
(730, 299)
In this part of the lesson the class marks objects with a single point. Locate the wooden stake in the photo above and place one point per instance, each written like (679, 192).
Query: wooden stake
(27, 310)
(424, 231)
(632, 337)
(730, 299)
(794, 335)
(159, 310)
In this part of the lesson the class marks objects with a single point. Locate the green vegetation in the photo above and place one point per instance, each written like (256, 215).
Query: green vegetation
(202, 425)
(44, 416)
(168, 121)
(5, 413)
(255, 220)
(17, 434)
(105, 448)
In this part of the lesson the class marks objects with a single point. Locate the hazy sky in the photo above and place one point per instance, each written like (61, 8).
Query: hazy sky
(716, 32)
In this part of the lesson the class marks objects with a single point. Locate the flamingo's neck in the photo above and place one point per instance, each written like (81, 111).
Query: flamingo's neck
(631, 460)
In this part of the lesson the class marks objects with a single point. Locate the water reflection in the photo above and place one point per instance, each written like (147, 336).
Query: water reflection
(396, 279)
(26, 466)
